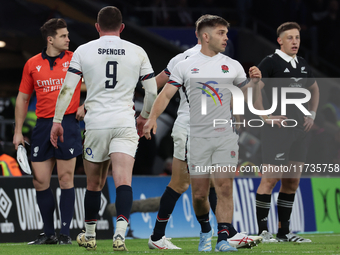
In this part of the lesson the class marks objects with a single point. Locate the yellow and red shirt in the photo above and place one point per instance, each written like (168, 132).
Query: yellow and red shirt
(46, 77)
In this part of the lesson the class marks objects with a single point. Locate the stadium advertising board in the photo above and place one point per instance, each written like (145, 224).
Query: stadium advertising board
(326, 193)
(20, 219)
(183, 221)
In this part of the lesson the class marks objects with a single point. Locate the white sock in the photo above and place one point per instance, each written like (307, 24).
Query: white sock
(90, 229)
(121, 228)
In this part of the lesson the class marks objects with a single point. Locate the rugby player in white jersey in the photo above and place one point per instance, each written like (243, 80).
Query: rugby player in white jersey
(111, 68)
(180, 178)
(209, 146)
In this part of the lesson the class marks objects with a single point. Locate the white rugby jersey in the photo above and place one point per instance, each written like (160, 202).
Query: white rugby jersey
(111, 68)
(200, 76)
(183, 108)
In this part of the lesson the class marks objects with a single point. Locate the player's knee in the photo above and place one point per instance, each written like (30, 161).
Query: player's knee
(290, 185)
(95, 184)
(179, 187)
(66, 181)
(183, 187)
(40, 184)
(199, 198)
(224, 190)
(36, 183)
(268, 184)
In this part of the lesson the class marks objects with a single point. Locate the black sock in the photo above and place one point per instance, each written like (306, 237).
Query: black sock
(262, 210)
(92, 205)
(212, 199)
(284, 208)
(225, 231)
(123, 202)
(46, 203)
(166, 206)
(66, 206)
(203, 220)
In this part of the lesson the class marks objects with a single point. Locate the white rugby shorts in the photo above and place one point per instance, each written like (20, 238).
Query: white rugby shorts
(179, 135)
(205, 152)
(100, 143)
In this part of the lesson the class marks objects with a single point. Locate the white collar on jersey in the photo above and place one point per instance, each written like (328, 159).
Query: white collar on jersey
(208, 57)
(197, 46)
(286, 57)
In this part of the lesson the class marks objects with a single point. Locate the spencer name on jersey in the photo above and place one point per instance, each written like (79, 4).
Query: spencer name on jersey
(111, 51)
(111, 68)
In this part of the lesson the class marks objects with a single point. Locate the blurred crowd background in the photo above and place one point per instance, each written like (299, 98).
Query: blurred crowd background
(164, 28)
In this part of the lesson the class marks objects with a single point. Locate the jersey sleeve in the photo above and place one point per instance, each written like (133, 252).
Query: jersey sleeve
(266, 67)
(75, 66)
(146, 71)
(27, 82)
(176, 77)
(241, 78)
(310, 77)
(65, 95)
(172, 63)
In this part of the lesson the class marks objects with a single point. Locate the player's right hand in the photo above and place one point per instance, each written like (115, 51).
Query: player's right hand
(56, 131)
(255, 74)
(18, 139)
(80, 112)
(140, 125)
(151, 124)
(275, 120)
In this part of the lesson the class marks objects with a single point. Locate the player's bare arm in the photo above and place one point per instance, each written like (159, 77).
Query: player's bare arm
(149, 98)
(258, 104)
(312, 106)
(255, 74)
(161, 79)
(80, 112)
(255, 77)
(159, 106)
(21, 106)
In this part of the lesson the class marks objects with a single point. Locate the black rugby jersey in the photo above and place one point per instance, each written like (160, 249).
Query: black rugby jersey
(277, 72)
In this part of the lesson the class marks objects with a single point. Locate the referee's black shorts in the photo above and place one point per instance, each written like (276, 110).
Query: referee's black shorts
(281, 145)
(41, 147)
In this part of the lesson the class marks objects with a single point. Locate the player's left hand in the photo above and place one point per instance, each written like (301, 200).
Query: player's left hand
(80, 113)
(309, 122)
(140, 124)
(56, 131)
(255, 74)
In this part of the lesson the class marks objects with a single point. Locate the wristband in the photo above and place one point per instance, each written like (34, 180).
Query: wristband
(313, 115)
(268, 117)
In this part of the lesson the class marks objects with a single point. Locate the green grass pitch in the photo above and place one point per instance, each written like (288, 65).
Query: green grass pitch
(322, 244)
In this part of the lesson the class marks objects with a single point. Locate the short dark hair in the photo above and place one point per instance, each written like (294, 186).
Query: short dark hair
(51, 26)
(109, 18)
(208, 20)
(287, 26)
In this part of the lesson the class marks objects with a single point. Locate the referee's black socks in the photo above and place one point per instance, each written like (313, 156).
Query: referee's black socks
(46, 203)
(66, 205)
